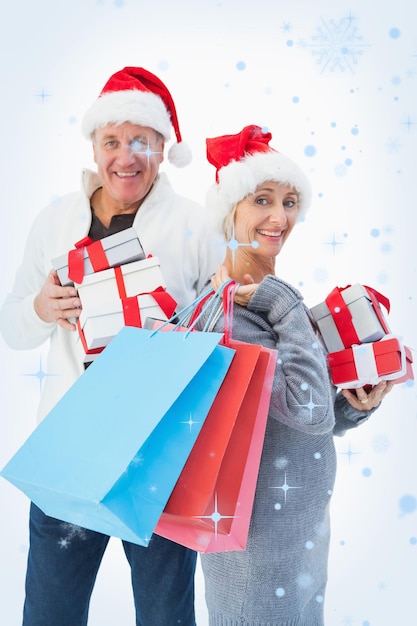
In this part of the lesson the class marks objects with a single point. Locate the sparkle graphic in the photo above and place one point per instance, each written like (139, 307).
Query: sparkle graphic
(216, 516)
(349, 453)
(40, 374)
(285, 487)
(333, 243)
(408, 123)
(233, 245)
(43, 95)
(190, 422)
(310, 404)
(139, 147)
(337, 45)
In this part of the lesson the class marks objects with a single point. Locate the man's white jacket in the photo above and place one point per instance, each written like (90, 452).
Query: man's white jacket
(169, 226)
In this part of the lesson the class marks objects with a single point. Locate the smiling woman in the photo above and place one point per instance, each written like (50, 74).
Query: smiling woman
(264, 220)
(280, 578)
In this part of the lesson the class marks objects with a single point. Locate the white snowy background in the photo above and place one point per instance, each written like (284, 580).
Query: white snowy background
(336, 83)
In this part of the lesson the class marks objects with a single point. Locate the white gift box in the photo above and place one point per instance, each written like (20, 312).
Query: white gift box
(364, 319)
(139, 277)
(101, 325)
(120, 248)
(105, 295)
(81, 351)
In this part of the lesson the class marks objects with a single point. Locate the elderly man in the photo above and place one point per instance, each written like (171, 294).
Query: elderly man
(128, 126)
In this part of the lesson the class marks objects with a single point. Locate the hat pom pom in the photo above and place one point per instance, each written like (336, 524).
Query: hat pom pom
(180, 154)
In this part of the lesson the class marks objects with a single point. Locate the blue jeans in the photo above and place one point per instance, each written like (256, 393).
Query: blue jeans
(62, 567)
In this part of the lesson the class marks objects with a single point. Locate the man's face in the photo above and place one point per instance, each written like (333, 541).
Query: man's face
(128, 158)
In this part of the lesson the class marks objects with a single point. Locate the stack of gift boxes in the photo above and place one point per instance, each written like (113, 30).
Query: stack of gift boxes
(117, 285)
(361, 349)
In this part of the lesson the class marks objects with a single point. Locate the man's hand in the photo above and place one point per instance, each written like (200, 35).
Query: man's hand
(55, 303)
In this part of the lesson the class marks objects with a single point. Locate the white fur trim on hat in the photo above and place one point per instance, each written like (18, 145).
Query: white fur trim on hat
(240, 178)
(137, 107)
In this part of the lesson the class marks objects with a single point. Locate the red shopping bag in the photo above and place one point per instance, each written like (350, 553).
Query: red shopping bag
(210, 507)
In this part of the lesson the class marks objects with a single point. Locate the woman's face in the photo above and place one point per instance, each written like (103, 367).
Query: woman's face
(266, 217)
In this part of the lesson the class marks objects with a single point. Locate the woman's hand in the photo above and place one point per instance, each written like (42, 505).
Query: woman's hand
(55, 303)
(362, 401)
(243, 293)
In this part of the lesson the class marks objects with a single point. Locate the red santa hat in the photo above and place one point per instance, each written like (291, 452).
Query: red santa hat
(137, 96)
(244, 161)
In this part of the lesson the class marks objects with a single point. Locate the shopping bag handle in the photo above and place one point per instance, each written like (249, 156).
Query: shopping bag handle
(180, 318)
(229, 292)
(215, 295)
(190, 314)
(225, 295)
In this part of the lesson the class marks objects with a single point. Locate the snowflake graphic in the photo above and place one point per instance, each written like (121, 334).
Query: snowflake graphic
(393, 145)
(70, 532)
(337, 45)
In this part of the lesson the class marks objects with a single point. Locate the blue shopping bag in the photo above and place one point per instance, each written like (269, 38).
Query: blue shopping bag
(109, 453)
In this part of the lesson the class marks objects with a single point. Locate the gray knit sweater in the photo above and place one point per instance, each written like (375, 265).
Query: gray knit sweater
(280, 579)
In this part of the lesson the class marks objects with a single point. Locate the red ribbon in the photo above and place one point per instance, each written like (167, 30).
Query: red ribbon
(95, 253)
(377, 299)
(84, 342)
(130, 304)
(342, 317)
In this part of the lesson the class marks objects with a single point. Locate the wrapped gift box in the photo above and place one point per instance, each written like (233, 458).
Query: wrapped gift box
(83, 354)
(350, 316)
(118, 249)
(368, 364)
(101, 325)
(113, 284)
